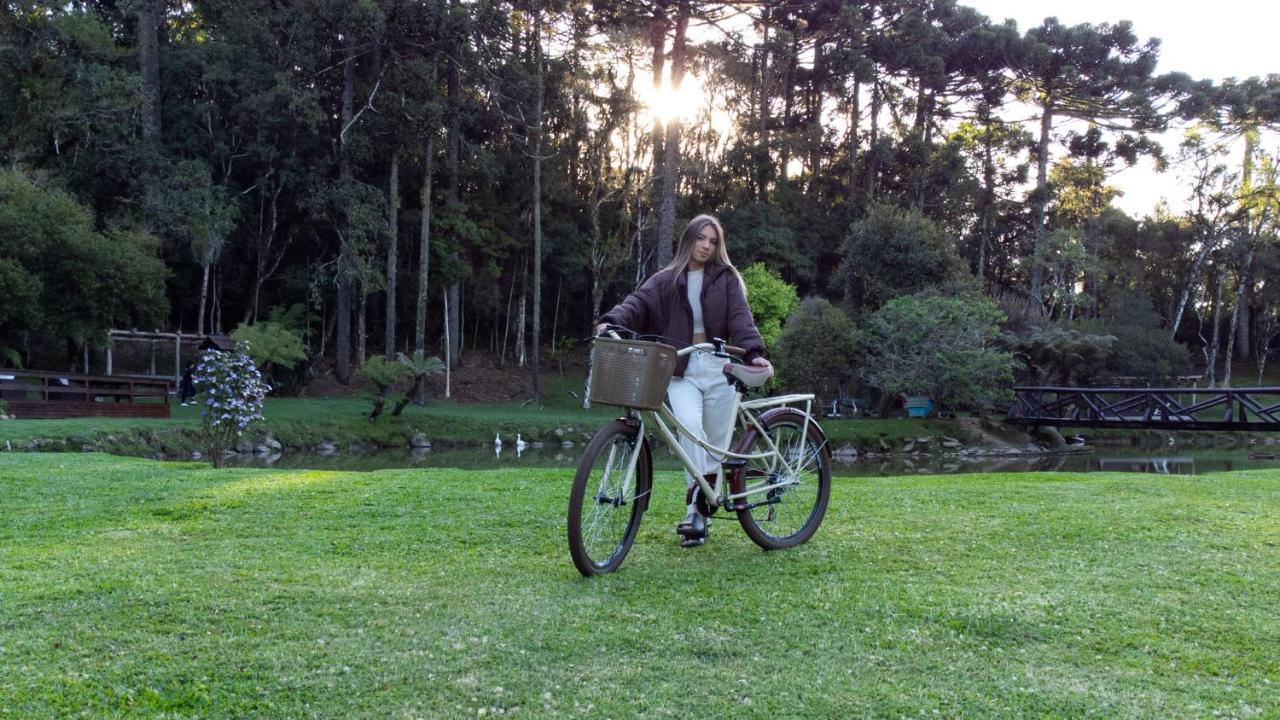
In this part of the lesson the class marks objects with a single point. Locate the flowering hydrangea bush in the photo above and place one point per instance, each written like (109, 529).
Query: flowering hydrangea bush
(230, 391)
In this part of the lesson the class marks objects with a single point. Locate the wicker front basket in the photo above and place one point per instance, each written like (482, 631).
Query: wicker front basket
(631, 373)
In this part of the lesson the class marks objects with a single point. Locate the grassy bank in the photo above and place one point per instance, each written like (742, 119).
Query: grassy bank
(302, 423)
(130, 587)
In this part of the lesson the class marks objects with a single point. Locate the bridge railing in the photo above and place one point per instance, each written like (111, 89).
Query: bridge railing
(1255, 408)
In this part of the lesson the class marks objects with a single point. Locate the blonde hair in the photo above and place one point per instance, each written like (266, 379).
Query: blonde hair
(684, 250)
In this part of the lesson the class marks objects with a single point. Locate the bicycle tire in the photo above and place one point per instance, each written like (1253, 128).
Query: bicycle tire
(593, 500)
(805, 502)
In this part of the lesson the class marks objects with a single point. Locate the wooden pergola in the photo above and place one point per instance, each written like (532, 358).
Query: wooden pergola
(173, 339)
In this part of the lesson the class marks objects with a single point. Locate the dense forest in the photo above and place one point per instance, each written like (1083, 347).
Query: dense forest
(391, 175)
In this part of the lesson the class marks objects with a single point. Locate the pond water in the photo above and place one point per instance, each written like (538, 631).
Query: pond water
(1172, 460)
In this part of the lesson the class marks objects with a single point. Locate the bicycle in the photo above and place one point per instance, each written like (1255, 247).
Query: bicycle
(776, 477)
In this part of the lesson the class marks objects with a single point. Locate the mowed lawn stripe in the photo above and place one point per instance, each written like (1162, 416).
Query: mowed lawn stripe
(136, 588)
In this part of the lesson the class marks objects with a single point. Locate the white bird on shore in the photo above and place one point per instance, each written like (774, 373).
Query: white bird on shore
(520, 444)
(497, 440)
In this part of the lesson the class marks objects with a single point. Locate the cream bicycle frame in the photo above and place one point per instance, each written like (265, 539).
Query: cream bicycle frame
(743, 410)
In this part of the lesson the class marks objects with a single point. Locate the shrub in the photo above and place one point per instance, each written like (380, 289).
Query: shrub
(383, 375)
(817, 347)
(771, 300)
(1052, 354)
(230, 392)
(943, 347)
(419, 366)
(271, 344)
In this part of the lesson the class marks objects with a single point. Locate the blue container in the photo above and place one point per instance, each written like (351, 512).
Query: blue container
(918, 406)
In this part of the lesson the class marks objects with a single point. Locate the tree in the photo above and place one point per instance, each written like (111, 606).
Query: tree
(1096, 73)
(943, 347)
(817, 349)
(1142, 349)
(894, 252)
(187, 206)
(69, 281)
(671, 148)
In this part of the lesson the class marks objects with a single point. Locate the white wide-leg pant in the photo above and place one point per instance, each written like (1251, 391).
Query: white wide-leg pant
(703, 401)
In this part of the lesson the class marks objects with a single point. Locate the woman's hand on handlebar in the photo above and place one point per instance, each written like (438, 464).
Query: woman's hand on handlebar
(608, 330)
(762, 362)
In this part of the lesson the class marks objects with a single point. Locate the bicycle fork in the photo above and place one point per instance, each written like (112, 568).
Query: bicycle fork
(629, 473)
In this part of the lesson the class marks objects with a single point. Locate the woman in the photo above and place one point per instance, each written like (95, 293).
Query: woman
(699, 296)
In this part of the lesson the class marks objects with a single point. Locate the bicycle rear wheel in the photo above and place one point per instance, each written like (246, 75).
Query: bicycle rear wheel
(785, 506)
(604, 508)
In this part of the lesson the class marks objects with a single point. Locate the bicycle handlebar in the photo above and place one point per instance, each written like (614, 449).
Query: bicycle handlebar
(612, 332)
(709, 347)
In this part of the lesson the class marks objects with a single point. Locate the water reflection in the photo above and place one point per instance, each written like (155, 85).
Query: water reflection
(1185, 462)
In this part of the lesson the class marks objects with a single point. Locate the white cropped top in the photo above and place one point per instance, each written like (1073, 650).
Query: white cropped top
(695, 300)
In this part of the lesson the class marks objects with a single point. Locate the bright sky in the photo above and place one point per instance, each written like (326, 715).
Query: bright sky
(1225, 38)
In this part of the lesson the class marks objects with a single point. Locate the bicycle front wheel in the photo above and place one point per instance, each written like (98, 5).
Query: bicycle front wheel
(786, 501)
(605, 505)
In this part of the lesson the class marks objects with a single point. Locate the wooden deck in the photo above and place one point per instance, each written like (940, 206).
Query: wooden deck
(34, 394)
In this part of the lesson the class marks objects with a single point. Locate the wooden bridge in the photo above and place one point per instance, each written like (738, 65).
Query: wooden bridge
(1250, 409)
(36, 394)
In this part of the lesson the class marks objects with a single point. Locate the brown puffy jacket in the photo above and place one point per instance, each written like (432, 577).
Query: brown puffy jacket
(661, 307)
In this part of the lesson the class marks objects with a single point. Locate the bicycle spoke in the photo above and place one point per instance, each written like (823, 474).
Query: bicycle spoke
(607, 512)
(785, 487)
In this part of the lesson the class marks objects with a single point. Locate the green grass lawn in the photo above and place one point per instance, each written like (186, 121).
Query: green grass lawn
(135, 588)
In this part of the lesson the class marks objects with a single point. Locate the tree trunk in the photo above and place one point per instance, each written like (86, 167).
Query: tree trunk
(1240, 331)
(788, 105)
(1242, 292)
(658, 40)
(762, 153)
(453, 313)
(815, 120)
(215, 314)
(855, 117)
(873, 151)
(988, 194)
(1041, 200)
(448, 354)
(671, 155)
(204, 296)
(1243, 349)
(521, 355)
(393, 232)
(264, 267)
(924, 134)
(150, 14)
(424, 250)
(537, 204)
(1192, 280)
(506, 328)
(1217, 324)
(362, 327)
(344, 280)
(342, 311)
